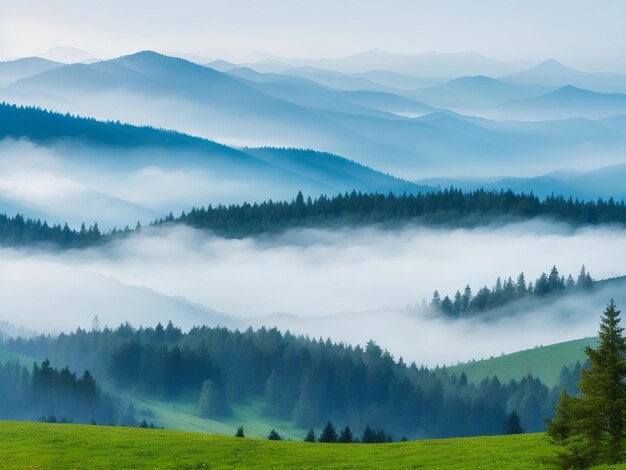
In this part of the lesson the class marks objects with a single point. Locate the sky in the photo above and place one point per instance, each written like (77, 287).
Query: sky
(585, 34)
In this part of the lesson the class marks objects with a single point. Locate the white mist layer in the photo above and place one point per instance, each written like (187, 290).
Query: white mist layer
(317, 275)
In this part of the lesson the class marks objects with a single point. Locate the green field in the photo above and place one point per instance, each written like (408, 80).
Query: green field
(543, 362)
(183, 416)
(48, 446)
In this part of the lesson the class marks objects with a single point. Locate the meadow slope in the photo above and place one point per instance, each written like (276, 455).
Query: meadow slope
(543, 362)
(48, 446)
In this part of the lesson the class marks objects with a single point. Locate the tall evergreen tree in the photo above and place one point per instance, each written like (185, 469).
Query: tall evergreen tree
(514, 424)
(310, 436)
(593, 425)
(329, 434)
(346, 436)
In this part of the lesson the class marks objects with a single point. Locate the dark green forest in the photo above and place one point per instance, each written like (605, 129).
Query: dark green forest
(301, 379)
(509, 291)
(450, 207)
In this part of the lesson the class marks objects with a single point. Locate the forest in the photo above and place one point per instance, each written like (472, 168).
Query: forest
(305, 380)
(48, 394)
(450, 207)
(508, 291)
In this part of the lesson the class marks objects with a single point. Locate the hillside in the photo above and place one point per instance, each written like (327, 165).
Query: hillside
(127, 173)
(35, 445)
(13, 70)
(543, 362)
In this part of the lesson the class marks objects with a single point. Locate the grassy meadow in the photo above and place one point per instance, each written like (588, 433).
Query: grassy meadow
(51, 446)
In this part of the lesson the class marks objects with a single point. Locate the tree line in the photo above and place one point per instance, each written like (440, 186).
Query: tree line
(52, 395)
(448, 207)
(301, 379)
(505, 292)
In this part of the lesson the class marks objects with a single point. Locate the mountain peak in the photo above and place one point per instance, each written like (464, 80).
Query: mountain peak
(552, 65)
(145, 54)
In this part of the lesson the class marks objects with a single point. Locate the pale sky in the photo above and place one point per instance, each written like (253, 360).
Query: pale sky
(584, 34)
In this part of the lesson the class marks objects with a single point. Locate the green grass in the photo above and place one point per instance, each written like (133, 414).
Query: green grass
(51, 446)
(543, 362)
(183, 416)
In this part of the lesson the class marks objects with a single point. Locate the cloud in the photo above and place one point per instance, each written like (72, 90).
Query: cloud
(351, 285)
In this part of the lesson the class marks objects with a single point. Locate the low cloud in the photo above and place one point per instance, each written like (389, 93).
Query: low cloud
(350, 285)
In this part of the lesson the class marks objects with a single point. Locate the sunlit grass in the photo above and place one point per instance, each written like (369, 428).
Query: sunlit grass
(37, 445)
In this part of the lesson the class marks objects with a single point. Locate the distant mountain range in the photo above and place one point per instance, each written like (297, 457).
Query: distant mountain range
(568, 102)
(434, 65)
(603, 183)
(468, 125)
(554, 74)
(477, 92)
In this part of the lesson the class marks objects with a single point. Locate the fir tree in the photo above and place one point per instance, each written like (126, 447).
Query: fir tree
(346, 436)
(513, 424)
(593, 425)
(329, 434)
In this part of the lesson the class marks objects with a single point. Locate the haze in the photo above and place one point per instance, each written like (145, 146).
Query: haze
(350, 285)
(245, 29)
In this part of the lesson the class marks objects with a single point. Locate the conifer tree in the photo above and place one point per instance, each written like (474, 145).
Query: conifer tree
(513, 424)
(593, 425)
(346, 436)
(329, 434)
(310, 436)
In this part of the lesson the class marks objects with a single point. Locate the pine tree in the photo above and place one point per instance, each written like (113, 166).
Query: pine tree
(310, 436)
(436, 300)
(346, 436)
(593, 425)
(239, 432)
(467, 298)
(520, 285)
(329, 434)
(274, 436)
(513, 424)
(368, 435)
(212, 401)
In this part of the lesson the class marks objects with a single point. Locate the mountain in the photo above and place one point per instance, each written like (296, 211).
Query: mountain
(373, 80)
(268, 65)
(14, 70)
(311, 94)
(156, 171)
(81, 295)
(554, 74)
(477, 92)
(396, 81)
(221, 65)
(143, 88)
(430, 65)
(605, 182)
(567, 102)
(70, 55)
(389, 131)
(336, 80)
